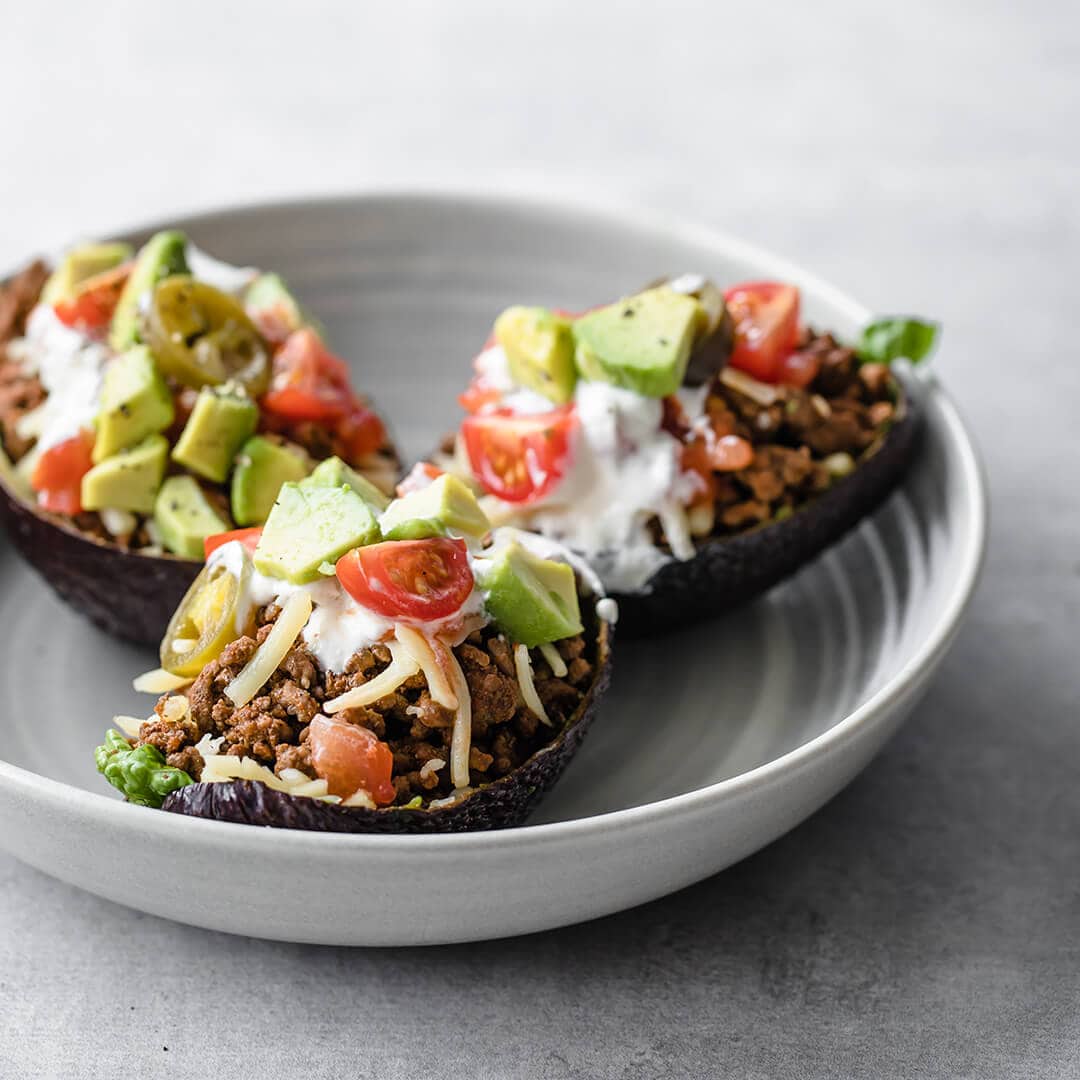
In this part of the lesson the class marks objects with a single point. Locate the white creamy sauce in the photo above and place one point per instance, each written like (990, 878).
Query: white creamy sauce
(625, 471)
(222, 275)
(71, 368)
(493, 369)
(338, 626)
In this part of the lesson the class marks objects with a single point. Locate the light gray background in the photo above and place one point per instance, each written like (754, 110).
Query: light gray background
(923, 155)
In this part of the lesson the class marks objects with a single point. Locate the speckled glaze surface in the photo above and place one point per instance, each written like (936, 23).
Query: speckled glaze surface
(713, 741)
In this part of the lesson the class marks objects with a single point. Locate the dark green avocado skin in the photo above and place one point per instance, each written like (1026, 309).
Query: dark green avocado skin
(500, 805)
(730, 571)
(129, 596)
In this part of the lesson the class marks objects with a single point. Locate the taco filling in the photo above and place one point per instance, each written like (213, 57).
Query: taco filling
(372, 656)
(151, 399)
(634, 432)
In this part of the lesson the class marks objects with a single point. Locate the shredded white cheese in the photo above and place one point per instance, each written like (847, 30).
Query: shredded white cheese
(272, 651)
(739, 381)
(432, 765)
(159, 681)
(129, 725)
(402, 666)
(420, 649)
(523, 666)
(461, 737)
(554, 660)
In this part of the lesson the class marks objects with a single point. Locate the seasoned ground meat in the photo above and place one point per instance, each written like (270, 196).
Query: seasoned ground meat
(843, 411)
(273, 728)
(19, 391)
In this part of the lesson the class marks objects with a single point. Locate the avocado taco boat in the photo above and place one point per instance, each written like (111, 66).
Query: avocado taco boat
(354, 667)
(151, 399)
(694, 445)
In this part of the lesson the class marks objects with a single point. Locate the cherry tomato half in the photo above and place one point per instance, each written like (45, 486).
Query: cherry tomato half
(799, 369)
(349, 757)
(519, 458)
(248, 537)
(766, 317)
(92, 304)
(308, 382)
(57, 476)
(421, 580)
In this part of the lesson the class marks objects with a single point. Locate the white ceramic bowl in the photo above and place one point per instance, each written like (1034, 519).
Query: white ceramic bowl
(712, 743)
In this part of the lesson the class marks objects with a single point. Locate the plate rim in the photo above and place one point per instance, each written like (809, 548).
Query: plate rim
(109, 812)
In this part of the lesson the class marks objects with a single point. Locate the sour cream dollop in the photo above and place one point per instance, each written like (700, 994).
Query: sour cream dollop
(625, 471)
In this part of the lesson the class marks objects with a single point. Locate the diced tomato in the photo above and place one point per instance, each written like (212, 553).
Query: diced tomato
(309, 382)
(94, 301)
(477, 396)
(519, 458)
(799, 369)
(766, 316)
(248, 537)
(729, 453)
(696, 459)
(57, 476)
(362, 431)
(421, 580)
(350, 758)
(420, 476)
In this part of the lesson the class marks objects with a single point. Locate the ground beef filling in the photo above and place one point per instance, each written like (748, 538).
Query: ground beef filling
(845, 410)
(21, 392)
(273, 728)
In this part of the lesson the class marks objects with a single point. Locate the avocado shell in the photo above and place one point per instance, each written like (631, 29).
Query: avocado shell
(731, 570)
(506, 802)
(128, 595)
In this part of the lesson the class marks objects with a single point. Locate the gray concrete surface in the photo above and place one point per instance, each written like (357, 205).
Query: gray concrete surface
(925, 923)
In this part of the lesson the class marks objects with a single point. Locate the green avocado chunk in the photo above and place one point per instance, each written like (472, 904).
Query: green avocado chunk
(532, 600)
(161, 256)
(135, 402)
(445, 507)
(310, 525)
(223, 419)
(539, 347)
(185, 518)
(262, 466)
(129, 480)
(80, 263)
(642, 343)
(269, 301)
(333, 472)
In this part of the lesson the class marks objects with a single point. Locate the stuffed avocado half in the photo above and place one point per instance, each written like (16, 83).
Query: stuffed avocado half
(694, 445)
(358, 665)
(151, 399)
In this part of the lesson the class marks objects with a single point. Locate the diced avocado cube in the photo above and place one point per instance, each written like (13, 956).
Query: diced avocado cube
(310, 525)
(532, 600)
(223, 419)
(129, 480)
(80, 263)
(445, 507)
(135, 402)
(642, 343)
(163, 255)
(333, 472)
(539, 347)
(262, 466)
(185, 518)
(270, 303)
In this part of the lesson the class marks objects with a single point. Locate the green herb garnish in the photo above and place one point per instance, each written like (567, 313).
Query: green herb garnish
(885, 340)
(140, 774)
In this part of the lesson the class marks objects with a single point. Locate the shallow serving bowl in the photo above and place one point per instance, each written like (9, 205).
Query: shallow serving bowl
(713, 741)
